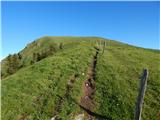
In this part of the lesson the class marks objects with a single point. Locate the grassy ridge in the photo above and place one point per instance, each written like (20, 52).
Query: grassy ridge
(44, 79)
(32, 91)
(118, 75)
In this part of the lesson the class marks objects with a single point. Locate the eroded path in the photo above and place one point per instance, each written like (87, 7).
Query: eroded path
(89, 87)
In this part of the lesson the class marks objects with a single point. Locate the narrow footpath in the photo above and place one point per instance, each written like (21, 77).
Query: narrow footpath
(89, 87)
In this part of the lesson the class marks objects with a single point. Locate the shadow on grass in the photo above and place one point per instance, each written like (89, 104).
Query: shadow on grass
(96, 115)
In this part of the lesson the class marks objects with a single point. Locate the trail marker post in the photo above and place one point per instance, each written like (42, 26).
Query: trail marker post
(142, 89)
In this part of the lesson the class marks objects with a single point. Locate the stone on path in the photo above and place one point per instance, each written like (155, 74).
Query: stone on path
(79, 117)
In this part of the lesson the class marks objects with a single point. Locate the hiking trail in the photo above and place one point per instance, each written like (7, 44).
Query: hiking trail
(89, 87)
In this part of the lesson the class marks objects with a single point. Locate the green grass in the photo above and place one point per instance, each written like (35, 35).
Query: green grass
(33, 89)
(118, 72)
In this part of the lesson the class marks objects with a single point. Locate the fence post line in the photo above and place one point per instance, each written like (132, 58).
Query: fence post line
(142, 89)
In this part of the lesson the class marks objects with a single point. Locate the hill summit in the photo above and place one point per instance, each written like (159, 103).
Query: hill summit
(70, 77)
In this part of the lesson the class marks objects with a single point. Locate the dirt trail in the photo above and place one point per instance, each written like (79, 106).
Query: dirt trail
(89, 87)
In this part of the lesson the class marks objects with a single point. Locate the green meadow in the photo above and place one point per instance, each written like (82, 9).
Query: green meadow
(35, 79)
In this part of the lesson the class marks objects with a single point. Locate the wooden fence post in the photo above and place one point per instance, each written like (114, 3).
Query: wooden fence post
(103, 47)
(139, 104)
(105, 44)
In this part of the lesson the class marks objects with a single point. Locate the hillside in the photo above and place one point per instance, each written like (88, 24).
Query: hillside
(48, 78)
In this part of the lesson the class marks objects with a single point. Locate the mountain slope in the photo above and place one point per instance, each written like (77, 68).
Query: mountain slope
(53, 85)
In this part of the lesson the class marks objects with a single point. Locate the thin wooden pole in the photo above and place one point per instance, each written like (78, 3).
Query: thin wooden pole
(103, 47)
(139, 104)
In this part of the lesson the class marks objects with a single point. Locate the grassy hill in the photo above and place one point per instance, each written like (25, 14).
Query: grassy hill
(48, 76)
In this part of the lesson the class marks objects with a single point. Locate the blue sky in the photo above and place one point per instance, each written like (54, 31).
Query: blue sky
(134, 23)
